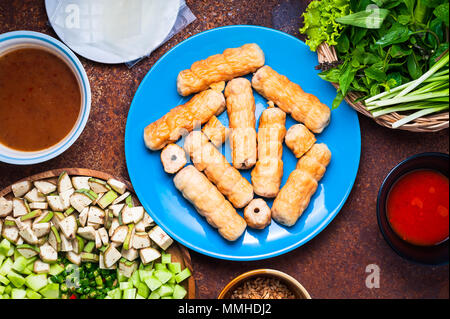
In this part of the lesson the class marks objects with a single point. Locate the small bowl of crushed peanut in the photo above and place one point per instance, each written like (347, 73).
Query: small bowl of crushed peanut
(264, 284)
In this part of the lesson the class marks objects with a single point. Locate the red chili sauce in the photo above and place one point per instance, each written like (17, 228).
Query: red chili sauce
(417, 207)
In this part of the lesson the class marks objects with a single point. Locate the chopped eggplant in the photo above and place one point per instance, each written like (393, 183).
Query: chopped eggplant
(54, 239)
(121, 198)
(126, 267)
(21, 188)
(6, 207)
(132, 214)
(98, 240)
(96, 215)
(28, 235)
(87, 232)
(114, 224)
(41, 267)
(101, 262)
(66, 244)
(103, 233)
(160, 237)
(41, 229)
(55, 203)
(120, 234)
(80, 182)
(47, 253)
(141, 240)
(28, 251)
(38, 205)
(98, 185)
(34, 196)
(64, 182)
(112, 255)
(65, 198)
(115, 209)
(80, 200)
(69, 226)
(116, 185)
(148, 255)
(74, 257)
(45, 187)
(130, 254)
(19, 208)
(82, 218)
(10, 232)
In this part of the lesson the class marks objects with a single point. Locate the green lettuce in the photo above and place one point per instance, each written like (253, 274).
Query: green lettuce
(320, 21)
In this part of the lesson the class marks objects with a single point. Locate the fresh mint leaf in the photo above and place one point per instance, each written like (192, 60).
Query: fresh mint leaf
(398, 33)
(376, 72)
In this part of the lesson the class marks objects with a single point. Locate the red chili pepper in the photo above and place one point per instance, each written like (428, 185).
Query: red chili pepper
(73, 297)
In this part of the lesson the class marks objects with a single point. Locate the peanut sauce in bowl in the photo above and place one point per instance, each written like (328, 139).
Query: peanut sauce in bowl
(40, 99)
(45, 97)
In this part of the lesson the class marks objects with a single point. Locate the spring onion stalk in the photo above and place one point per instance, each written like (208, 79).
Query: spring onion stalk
(439, 76)
(406, 107)
(426, 95)
(442, 62)
(416, 115)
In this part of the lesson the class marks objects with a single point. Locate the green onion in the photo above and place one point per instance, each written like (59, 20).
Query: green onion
(426, 95)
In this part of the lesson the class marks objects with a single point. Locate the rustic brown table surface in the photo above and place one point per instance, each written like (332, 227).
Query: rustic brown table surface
(333, 264)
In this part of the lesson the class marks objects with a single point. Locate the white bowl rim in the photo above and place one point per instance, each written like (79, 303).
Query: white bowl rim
(58, 148)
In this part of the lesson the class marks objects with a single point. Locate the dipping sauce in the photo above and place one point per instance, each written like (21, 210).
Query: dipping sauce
(417, 207)
(40, 99)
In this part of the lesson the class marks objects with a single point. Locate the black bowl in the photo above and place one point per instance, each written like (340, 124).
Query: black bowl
(429, 255)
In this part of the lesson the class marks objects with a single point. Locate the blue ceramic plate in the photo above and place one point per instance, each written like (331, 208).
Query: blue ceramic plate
(157, 94)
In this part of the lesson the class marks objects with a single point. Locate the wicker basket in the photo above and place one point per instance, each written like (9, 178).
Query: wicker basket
(430, 123)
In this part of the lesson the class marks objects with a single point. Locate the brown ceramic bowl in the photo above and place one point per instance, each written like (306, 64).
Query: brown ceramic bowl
(297, 289)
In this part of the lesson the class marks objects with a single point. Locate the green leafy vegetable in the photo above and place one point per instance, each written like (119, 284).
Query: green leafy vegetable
(320, 21)
(380, 44)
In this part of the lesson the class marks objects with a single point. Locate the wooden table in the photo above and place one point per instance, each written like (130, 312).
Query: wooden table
(333, 264)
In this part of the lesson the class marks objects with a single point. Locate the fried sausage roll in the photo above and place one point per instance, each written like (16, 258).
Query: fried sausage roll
(241, 114)
(233, 62)
(209, 202)
(288, 96)
(268, 171)
(183, 118)
(299, 139)
(257, 214)
(294, 197)
(209, 160)
(173, 158)
(216, 131)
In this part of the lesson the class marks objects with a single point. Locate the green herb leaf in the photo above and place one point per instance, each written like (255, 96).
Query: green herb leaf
(414, 68)
(376, 72)
(397, 51)
(397, 34)
(442, 13)
(371, 18)
(346, 78)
